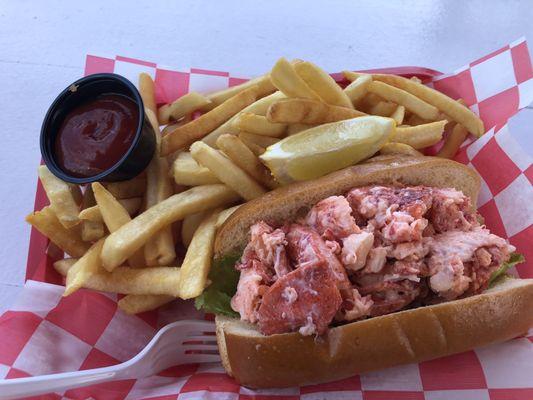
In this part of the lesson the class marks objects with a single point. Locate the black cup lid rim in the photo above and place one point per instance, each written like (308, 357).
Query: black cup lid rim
(48, 159)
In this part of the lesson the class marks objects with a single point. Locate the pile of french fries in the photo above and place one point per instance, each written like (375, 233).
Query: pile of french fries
(123, 237)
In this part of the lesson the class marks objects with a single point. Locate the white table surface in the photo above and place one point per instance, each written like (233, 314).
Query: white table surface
(43, 47)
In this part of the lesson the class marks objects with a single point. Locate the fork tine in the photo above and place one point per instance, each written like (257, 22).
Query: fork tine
(198, 332)
(184, 349)
(201, 358)
(202, 338)
(190, 347)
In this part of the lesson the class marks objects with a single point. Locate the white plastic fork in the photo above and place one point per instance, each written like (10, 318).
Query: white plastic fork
(182, 342)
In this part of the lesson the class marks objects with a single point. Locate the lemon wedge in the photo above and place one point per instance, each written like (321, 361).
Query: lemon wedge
(326, 148)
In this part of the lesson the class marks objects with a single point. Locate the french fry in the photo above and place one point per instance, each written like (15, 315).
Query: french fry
(293, 129)
(225, 214)
(452, 143)
(169, 128)
(420, 136)
(139, 303)
(226, 171)
(456, 111)
(147, 91)
(152, 118)
(122, 243)
(114, 216)
(69, 240)
(136, 281)
(322, 84)
(285, 78)
(158, 182)
(404, 98)
(185, 135)
(189, 225)
(132, 303)
(62, 266)
(187, 104)
(305, 111)
(127, 189)
(192, 222)
(197, 260)
(61, 195)
(264, 88)
(163, 114)
(263, 141)
(188, 172)
(113, 213)
(398, 115)
(368, 101)
(416, 79)
(91, 231)
(244, 158)
(383, 108)
(260, 107)
(159, 250)
(415, 120)
(399, 148)
(258, 124)
(358, 88)
(443, 115)
(88, 265)
(172, 126)
(255, 148)
(93, 213)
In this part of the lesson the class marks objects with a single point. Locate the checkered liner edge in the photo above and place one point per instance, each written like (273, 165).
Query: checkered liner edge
(45, 333)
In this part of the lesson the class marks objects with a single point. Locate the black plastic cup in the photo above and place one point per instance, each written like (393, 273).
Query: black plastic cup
(141, 151)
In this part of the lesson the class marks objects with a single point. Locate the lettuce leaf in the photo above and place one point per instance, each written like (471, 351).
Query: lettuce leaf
(513, 260)
(217, 296)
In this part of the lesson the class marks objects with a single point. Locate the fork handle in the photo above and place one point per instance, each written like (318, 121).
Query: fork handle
(32, 386)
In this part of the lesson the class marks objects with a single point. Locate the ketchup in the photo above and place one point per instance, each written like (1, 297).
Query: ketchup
(96, 135)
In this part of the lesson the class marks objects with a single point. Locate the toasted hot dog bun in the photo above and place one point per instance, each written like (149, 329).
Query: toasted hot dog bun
(415, 335)
(421, 334)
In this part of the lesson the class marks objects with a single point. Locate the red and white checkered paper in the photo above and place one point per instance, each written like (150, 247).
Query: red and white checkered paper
(46, 333)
